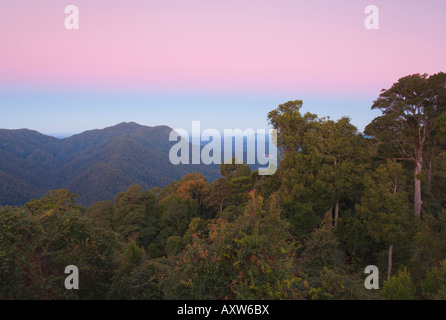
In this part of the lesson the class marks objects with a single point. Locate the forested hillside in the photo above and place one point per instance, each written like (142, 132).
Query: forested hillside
(96, 164)
(340, 200)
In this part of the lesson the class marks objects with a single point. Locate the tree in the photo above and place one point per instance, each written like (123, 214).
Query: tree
(20, 272)
(101, 214)
(174, 245)
(175, 215)
(193, 186)
(435, 179)
(234, 169)
(429, 244)
(61, 200)
(434, 285)
(322, 250)
(410, 109)
(135, 215)
(36, 248)
(192, 191)
(238, 179)
(220, 194)
(322, 265)
(249, 258)
(322, 165)
(290, 125)
(384, 207)
(138, 277)
(399, 287)
(335, 154)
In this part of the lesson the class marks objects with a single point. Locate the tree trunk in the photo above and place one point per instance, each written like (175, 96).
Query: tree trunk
(429, 176)
(417, 196)
(336, 214)
(389, 268)
(331, 215)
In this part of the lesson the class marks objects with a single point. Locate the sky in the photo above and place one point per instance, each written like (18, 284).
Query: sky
(224, 63)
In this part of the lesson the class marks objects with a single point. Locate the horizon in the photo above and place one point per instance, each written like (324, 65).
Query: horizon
(190, 132)
(63, 135)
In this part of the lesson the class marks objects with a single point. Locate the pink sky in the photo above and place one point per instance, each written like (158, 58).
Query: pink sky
(318, 46)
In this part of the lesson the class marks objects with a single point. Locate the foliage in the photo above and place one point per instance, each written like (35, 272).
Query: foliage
(321, 167)
(429, 245)
(385, 211)
(35, 249)
(399, 287)
(251, 257)
(135, 215)
(411, 110)
(322, 251)
(434, 285)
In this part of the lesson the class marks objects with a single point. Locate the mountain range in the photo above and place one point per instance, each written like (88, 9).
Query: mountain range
(95, 164)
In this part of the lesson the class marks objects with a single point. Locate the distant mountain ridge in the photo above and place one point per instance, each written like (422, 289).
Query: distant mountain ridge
(95, 164)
